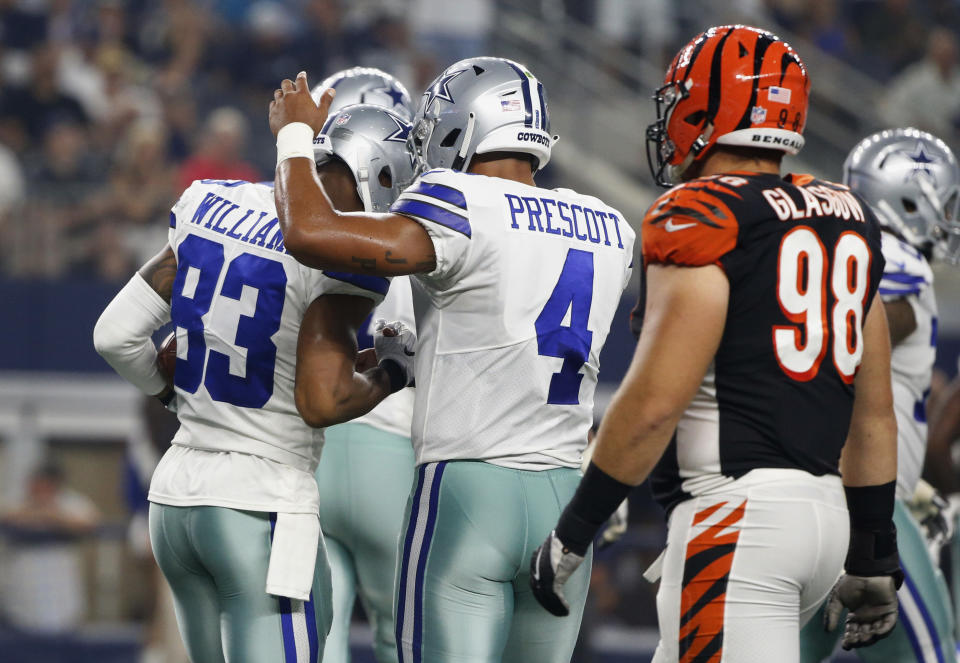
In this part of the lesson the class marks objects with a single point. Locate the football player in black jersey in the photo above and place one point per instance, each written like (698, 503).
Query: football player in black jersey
(761, 376)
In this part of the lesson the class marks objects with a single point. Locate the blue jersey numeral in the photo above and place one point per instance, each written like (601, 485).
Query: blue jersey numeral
(200, 260)
(573, 292)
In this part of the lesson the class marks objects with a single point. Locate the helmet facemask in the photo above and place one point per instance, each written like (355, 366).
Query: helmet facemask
(659, 145)
(946, 228)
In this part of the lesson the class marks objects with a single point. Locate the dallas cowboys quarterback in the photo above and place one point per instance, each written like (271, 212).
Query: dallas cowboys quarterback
(367, 466)
(515, 288)
(260, 338)
(912, 181)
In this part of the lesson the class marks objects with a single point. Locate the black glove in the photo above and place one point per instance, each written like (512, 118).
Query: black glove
(551, 566)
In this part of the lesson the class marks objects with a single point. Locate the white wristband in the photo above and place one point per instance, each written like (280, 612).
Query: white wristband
(294, 140)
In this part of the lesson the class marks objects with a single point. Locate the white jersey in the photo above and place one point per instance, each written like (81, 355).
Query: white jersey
(908, 276)
(512, 320)
(395, 413)
(237, 304)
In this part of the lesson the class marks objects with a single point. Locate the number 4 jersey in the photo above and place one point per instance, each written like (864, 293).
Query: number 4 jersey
(803, 259)
(238, 301)
(512, 320)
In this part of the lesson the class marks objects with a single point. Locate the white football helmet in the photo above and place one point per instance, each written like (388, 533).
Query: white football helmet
(912, 178)
(372, 142)
(482, 105)
(366, 85)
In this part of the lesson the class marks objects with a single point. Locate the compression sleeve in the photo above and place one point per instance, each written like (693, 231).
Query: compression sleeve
(122, 334)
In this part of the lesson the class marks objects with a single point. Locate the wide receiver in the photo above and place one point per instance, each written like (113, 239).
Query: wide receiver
(762, 372)
(261, 342)
(515, 288)
(912, 180)
(367, 467)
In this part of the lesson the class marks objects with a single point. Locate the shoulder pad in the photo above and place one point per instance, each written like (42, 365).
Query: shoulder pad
(691, 224)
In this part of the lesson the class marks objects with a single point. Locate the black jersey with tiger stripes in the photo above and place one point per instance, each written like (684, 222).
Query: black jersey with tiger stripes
(803, 260)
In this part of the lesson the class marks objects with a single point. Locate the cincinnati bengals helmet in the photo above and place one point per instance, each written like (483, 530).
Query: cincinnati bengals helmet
(731, 85)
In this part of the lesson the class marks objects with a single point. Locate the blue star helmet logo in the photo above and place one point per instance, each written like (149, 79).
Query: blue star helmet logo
(393, 92)
(440, 89)
(920, 160)
(403, 130)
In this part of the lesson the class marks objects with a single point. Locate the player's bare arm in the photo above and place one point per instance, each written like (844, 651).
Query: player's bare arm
(683, 324)
(901, 319)
(160, 272)
(869, 457)
(944, 429)
(314, 232)
(328, 389)
(868, 465)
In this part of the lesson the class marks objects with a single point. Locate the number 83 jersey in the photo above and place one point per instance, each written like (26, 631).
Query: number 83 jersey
(512, 320)
(238, 301)
(803, 259)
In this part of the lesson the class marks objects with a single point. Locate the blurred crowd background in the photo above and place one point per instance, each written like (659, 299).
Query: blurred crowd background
(110, 108)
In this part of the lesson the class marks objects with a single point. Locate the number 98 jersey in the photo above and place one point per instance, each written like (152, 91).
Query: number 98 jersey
(238, 301)
(511, 321)
(803, 258)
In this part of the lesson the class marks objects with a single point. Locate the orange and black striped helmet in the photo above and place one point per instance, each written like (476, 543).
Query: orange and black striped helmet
(732, 85)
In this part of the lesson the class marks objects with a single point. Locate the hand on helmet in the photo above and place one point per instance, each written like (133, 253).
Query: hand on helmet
(293, 103)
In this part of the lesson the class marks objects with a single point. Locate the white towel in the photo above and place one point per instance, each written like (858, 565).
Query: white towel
(655, 570)
(293, 555)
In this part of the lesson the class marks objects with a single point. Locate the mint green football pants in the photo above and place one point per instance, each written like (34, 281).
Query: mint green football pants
(463, 587)
(364, 479)
(216, 560)
(924, 630)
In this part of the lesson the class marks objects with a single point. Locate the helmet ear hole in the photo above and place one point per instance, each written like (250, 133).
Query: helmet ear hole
(450, 138)
(385, 178)
(478, 70)
(696, 117)
(909, 205)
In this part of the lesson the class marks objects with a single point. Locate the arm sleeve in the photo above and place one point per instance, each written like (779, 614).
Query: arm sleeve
(437, 202)
(122, 334)
(344, 283)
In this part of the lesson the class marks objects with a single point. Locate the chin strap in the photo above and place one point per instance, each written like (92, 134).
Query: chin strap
(699, 145)
(363, 188)
(458, 163)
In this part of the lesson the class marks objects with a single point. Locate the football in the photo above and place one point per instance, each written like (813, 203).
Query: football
(167, 357)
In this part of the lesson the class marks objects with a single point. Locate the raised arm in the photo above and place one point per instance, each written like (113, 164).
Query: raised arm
(313, 231)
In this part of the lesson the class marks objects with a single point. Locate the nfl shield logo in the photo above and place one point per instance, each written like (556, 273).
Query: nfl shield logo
(758, 115)
(343, 119)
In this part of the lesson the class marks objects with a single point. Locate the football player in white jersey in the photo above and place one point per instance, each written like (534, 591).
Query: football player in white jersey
(261, 342)
(912, 181)
(515, 288)
(366, 470)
